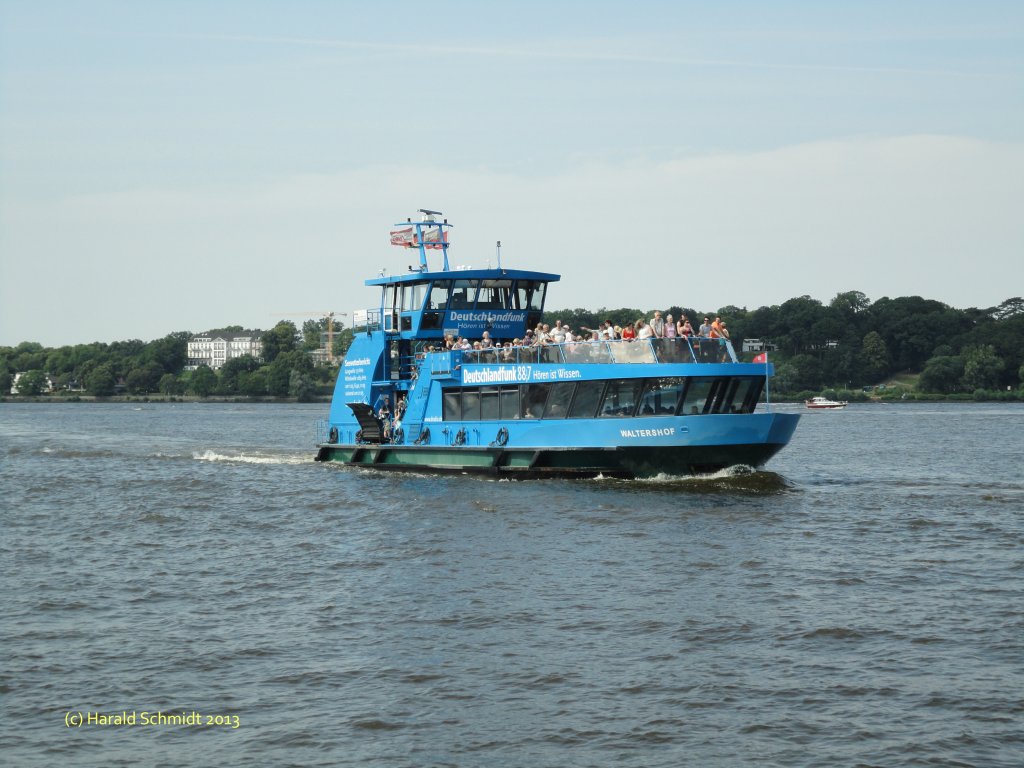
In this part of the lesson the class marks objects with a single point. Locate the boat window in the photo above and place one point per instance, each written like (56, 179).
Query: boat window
(452, 405)
(737, 396)
(494, 294)
(620, 398)
(412, 297)
(439, 295)
(588, 395)
(720, 394)
(534, 397)
(696, 398)
(390, 297)
(471, 404)
(661, 396)
(509, 403)
(752, 395)
(463, 294)
(558, 402)
(489, 404)
(529, 294)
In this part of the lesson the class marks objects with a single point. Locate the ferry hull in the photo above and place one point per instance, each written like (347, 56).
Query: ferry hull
(529, 462)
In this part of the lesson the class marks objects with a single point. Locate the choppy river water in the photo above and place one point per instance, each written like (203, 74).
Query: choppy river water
(858, 602)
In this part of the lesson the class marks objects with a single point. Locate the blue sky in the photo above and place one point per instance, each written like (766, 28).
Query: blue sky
(183, 166)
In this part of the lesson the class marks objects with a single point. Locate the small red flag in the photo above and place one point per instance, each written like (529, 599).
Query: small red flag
(762, 358)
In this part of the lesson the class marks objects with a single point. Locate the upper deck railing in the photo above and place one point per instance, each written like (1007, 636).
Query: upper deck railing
(677, 350)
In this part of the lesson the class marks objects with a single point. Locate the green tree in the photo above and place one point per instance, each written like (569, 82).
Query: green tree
(170, 352)
(301, 387)
(982, 367)
(806, 372)
(312, 331)
(253, 384)
(279, 372)
(101, 381)
(942, 374)
(874, 357)
(142, 381)
(203, 382)
(32, 383)
(230, 372)
(1009, 308)
(279, 340)
(170, 384)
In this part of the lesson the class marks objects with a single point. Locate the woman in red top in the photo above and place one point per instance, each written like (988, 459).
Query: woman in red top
(628, 332)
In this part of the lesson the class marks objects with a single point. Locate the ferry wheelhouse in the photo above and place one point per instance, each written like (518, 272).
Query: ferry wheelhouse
(618, 408)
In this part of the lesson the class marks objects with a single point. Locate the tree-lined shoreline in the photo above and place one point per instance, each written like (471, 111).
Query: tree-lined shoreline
(853, 348)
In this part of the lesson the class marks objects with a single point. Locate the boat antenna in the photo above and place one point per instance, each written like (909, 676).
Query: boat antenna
(499, 254)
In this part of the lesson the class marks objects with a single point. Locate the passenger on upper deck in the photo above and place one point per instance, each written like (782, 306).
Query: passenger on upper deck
(657, 325)
(685, 329)
(485, 341)
(629, 332)
(705, 327)
(670, 327)
(558, 333)
(716, 328)
(644, 331)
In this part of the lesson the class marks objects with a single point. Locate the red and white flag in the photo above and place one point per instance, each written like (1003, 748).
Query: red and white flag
(762, 358)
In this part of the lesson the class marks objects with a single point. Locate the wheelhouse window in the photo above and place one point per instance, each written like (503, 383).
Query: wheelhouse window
(529, 294)
(494, 294)
(439, 294)
(463, 294)
(412, 297)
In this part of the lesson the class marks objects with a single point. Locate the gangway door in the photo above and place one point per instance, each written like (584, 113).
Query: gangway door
(368, 423)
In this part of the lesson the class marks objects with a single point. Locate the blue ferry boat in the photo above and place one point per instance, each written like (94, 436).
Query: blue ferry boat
(616, 408)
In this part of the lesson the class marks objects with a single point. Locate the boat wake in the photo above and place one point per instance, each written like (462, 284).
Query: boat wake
(242, 458)
(740, 478)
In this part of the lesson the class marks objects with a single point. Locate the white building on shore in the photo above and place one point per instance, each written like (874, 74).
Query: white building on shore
(215, 348)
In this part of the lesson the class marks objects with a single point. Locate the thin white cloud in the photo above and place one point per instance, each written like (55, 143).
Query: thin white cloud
(930, 215)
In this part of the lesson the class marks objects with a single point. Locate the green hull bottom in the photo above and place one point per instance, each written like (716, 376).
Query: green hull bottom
(530, 463)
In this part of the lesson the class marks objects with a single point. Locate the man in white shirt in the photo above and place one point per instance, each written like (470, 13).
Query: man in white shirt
(658, 325)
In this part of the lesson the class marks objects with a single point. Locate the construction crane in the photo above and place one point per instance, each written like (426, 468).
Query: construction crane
(330, 325)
